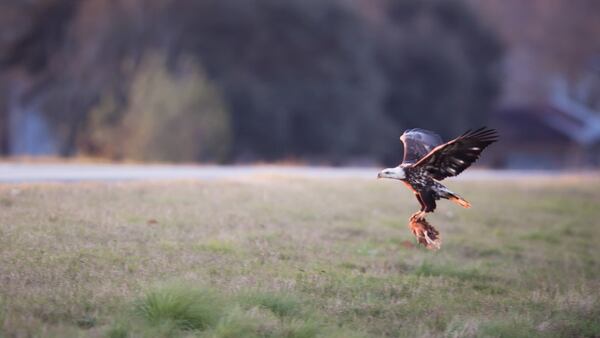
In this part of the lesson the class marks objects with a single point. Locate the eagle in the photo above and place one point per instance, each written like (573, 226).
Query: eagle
(426, 161)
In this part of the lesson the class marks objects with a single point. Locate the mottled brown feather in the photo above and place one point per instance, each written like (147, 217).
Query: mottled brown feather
(453, 157)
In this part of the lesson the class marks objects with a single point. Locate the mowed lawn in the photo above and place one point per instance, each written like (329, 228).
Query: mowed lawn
(274, 256)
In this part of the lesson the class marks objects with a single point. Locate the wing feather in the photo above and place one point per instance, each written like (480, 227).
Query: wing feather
(418, 143)
(452, 158)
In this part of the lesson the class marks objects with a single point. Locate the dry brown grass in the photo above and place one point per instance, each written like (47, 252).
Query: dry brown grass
(75, 259)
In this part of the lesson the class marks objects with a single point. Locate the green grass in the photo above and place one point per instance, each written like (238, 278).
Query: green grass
(182, 307)
(281, 304)
(283, 257)
(217, 246)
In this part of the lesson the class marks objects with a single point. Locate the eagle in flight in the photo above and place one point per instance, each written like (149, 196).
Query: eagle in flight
(427, 161)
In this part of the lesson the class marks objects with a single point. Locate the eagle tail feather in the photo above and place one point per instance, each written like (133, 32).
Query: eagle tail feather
(460, 201)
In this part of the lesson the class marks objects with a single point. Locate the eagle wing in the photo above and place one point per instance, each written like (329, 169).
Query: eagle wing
(451, 158)
(418, 143)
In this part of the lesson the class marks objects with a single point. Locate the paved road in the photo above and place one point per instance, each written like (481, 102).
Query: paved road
(33, 172)
(15, 172)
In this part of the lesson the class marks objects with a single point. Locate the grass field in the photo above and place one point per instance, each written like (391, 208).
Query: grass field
(281, 257)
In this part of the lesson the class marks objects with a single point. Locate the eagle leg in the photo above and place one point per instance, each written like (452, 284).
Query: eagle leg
(419, 214)
(428, 197)
(427, 200)
(420, 201)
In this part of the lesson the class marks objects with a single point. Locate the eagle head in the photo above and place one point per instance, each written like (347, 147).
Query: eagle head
(394, 173)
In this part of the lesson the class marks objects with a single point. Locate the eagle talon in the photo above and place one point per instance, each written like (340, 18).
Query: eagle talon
(418, 216)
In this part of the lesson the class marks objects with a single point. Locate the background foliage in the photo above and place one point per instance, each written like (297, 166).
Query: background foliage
(312, 80)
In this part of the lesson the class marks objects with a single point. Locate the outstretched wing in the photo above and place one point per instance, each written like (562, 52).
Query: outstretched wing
(450, 159)
(418, 143)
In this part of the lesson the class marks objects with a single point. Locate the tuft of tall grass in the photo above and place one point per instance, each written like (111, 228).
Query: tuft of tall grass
(171, 309)
(182, 307)
(246, 323)
(118, 331)
(282, 305)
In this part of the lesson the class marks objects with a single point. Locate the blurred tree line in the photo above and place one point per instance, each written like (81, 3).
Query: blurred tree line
(241, 80)
(545, 40)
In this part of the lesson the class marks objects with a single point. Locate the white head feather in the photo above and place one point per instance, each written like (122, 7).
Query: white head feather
(396, 173)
